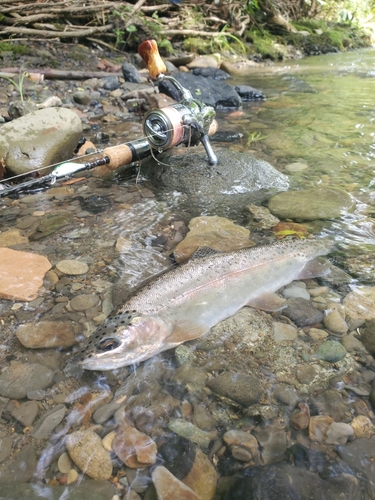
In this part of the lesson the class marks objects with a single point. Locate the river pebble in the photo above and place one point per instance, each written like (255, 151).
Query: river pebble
(26, 413)
(72, 267)
(334, 319)
(20, 468)
(64, 463)
(46, 334)
(86, 450)
(283, 331)
(6, 444)
(49, 420)
(339, 433)
(273, 443)
(243, 389)
(192, 432)
(84, 302)
(17, 380)
(330, 351)
(302, 312)
(168, 487)
(237, 440)
(134, 448)
(362, 426)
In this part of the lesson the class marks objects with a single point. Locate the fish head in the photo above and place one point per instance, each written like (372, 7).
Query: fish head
(121, 341)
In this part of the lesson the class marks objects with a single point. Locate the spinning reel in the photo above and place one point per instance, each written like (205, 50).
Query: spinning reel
(186, 122)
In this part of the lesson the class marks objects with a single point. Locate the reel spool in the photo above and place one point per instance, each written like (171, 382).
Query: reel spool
(187, 122)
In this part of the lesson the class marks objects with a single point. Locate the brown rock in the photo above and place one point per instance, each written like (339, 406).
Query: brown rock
(134, 448)
(46, 334)
(318, 427)
(168, 487)
(21, 274)
(214, 232)
(362, 426)
(86, 450)
(202, 477)
(300, 418)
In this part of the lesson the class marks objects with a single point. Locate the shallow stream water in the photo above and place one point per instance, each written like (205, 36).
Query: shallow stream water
(317, 125)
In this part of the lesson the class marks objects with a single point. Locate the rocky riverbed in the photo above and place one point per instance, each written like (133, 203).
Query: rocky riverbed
(265, 406)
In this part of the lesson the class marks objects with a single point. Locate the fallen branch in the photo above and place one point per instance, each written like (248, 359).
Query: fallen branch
(55, 74)
(58, 34)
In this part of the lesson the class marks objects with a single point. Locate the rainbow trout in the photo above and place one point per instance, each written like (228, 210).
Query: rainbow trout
(187, 301)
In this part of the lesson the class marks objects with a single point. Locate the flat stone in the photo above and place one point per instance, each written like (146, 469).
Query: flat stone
(283, 331)
(273, 443)
(168, 487)
(311, 204)
(84, 302)
(133, 447)
(46, 334)
(21, 274)
(241, 388)
(191, 432)
(17, 380)
(6, 444)
(21, 468)
(12, 237)
(339, 433)
(26, 413)
(72, 267)
(87, 490)
(213, 232)
(51, 419)
(86, 450)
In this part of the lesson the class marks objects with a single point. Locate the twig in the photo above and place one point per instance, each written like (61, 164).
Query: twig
(60, 34)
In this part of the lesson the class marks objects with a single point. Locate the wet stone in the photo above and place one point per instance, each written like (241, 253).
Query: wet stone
(183, 355)
(22, 467)
(285, 395)
(50, 224)
(302, 312)
(84, 302)
(273, 443)
(331, 351)
(243, 389)
(72, 267)
(191, 432)
(305, 373)
(18, 380)
(51, 419)
(282, 332)
(339, 433)
(86, 450)
(87, 490)
(133, 447)
(168, 487)
(331, 402)
(6, 444)
(26, 413)
(46, 334)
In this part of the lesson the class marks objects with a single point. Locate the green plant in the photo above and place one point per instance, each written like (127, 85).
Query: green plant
(222, 40)
(255, 137)
(19, 85)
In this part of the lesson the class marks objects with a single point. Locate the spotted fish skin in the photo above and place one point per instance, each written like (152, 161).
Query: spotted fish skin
(187, 301)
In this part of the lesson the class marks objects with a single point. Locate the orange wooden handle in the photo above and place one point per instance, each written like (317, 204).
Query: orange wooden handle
(149, 52)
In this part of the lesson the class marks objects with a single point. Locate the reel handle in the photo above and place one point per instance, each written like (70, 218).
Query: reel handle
(149, 52)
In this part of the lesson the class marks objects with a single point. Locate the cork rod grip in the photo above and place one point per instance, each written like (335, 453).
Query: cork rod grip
(149, 52)
(118, 156)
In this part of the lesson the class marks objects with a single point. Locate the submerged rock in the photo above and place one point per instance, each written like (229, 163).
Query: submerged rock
(21, 274)
(214, 232)
(86, 450)
(169, 487)
(312, 204)
(45, 334)
(39, 139)
(238, 180)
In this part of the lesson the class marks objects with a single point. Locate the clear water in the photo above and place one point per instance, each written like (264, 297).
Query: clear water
(318, 111)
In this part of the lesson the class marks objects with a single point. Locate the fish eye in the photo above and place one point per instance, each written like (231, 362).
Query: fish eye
(108, 344)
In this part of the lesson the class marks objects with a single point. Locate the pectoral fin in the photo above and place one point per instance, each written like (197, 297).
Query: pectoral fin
(269, 302)
(186, 330)
(315, 268)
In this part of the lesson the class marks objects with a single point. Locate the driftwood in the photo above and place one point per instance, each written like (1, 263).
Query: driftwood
(55, 74)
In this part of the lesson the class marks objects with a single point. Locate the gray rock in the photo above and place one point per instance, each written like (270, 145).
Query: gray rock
(18, 380)
(241, 388)
(45, 425)
(302, 312)
(6, 444)
(360, 453)
(81, 98)
(285, 395)
(248, 93)
(21, 108)
(39, 139)
(131, 74)
(111, 83)
(84, 302)
(284, 482)
(273, 443)
(331, 403)
(368, 337)
(183, 355)
(26, 413)
(105, 412)
(21, 469)
(237, 181)
(311, 204)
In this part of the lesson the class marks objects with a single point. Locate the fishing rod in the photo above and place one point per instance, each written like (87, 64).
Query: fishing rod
(187, 122)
